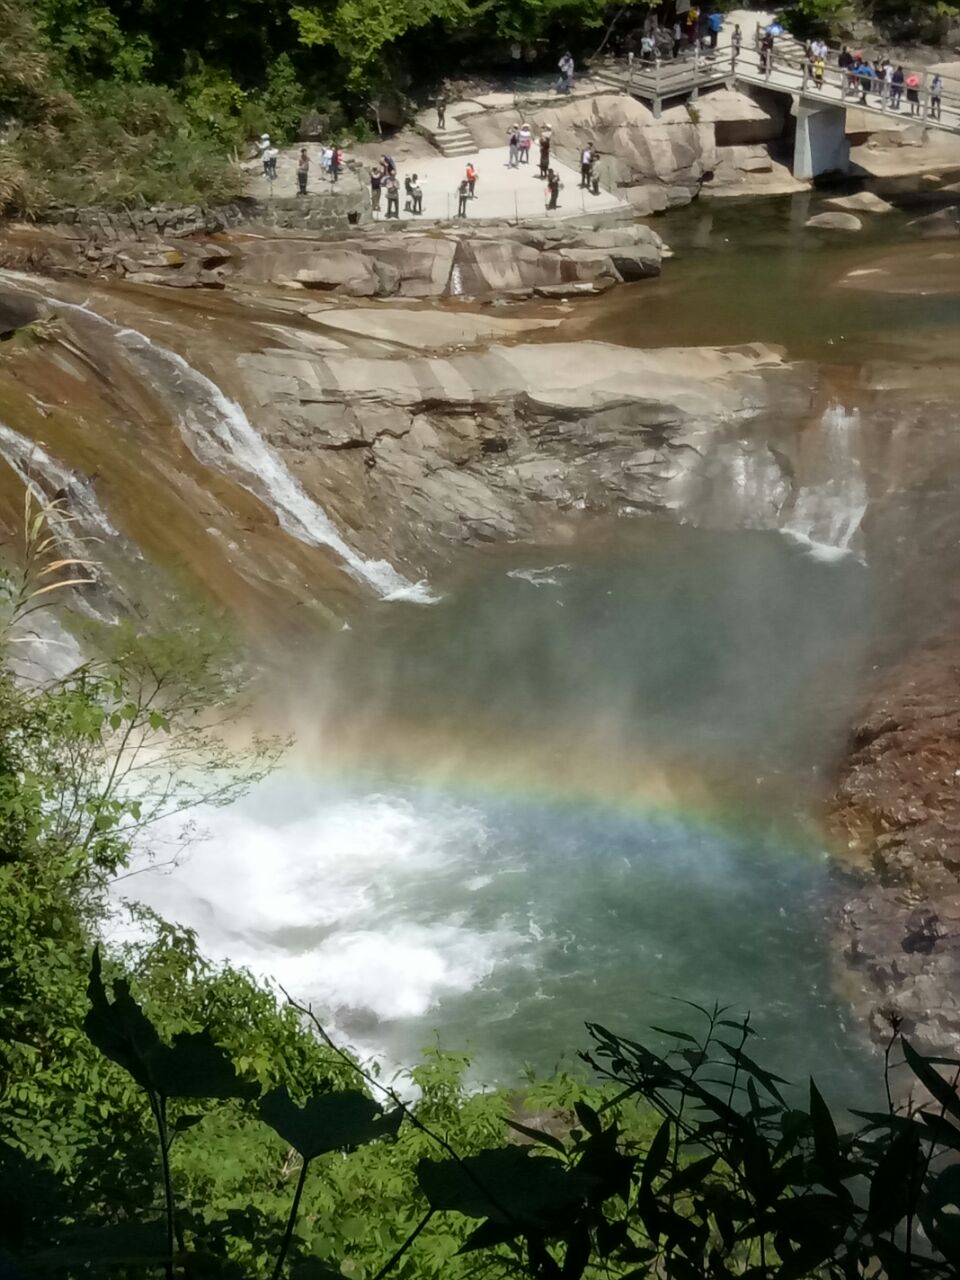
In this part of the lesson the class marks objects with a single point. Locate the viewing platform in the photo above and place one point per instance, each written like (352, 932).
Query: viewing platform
(821, 109)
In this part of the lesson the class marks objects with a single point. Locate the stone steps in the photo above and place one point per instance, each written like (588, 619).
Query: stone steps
(455, 141)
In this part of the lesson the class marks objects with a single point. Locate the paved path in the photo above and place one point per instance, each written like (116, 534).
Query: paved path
(502, 192)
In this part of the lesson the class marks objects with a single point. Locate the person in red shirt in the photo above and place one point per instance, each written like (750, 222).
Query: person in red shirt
(471, 179)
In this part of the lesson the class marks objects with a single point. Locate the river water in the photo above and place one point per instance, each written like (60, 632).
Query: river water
(568, 791)
(585, 784)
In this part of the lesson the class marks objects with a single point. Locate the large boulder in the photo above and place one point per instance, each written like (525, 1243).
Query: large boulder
(422, 263)
(945, 222)
(737, 118)
(337, 270)
(861, 202)
(634, 146)
(502, 266)
(835, 221)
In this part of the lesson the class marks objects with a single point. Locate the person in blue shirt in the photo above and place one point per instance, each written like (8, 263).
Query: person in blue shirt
(714, 23)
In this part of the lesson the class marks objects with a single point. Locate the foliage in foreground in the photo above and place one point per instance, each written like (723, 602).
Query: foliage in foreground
(159, 1117)
(735, 1181)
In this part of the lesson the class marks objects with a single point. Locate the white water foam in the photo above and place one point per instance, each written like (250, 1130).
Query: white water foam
(827, 516)
(78, 522)
(30, 462)
(218, 432)
(333, 903)
(543, 577)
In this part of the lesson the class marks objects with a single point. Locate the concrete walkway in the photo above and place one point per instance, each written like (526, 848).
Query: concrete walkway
(502, 192)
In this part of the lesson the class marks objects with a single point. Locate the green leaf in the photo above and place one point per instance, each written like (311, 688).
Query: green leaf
(120, 1030)
(508, 1185)
(825, 1140)
(183, 1123)
(538, 1136)
(588, 1118)
(890, 1186)
(193, 1066)
(689, 1177)
(656, 1156)
(942, 1090)
(120, 1244)
(488, 1235)
(329, 1121)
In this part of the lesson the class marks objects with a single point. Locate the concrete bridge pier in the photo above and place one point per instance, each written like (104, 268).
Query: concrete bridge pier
(821, 144)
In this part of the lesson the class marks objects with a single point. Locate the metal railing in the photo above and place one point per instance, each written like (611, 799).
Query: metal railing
(791, 72)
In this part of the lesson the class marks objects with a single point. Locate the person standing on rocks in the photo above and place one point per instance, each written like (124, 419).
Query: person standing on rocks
(553, 189)
(414, 203)
(393, 196)
(303, 172)
(441, 111)
(463, 195)
(526, 138)
(471, 180)
(566, 68)
(263, 148)
(586, 165)
(544, 153)
(513, 146)
(336, 162)
(376, 183)
(736, 43)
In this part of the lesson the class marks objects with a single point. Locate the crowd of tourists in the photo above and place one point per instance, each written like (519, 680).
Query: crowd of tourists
(329, 157)
(889, 83)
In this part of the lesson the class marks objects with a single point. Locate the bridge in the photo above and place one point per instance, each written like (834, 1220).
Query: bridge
(821, 142)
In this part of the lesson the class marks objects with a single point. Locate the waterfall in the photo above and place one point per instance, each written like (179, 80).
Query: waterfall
(218, 433)
(77, 521)
(827, 515)
(32, 463)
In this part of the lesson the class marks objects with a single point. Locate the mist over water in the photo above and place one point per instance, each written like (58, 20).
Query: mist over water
(572, 789)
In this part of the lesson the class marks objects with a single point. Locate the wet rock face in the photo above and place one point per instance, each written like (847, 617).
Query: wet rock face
(512, 441)
(897, 807)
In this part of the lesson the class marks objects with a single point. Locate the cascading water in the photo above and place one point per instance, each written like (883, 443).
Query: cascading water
(218, 432)
(77, 521)
(32, 464)
(827, 515)
(476, 840)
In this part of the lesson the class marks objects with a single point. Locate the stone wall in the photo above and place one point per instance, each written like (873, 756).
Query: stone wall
(329, 212)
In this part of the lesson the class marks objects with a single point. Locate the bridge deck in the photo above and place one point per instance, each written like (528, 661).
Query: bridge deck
(687, 76)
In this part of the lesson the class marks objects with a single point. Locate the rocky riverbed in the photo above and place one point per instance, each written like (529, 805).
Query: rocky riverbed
(322, 423)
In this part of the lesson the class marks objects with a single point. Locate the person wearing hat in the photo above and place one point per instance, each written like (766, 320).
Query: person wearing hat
(526, 138)
(263, 147)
